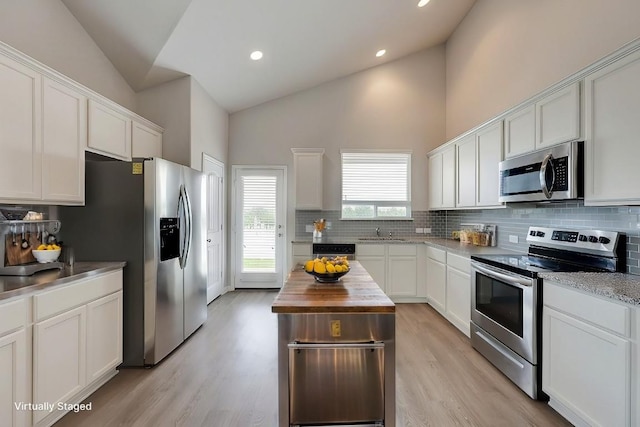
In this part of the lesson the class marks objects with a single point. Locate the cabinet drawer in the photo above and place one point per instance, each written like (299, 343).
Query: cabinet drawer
(402, 250)
(370, 250)
(459, 262)
(437, 254)
(78, 293)
(606, 314)
(13, 315)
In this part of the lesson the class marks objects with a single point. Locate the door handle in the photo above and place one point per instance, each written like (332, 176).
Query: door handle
(208, 240)
(547, 163)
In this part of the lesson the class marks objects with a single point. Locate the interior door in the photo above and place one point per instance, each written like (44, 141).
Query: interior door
(259, 202)
(215, 226)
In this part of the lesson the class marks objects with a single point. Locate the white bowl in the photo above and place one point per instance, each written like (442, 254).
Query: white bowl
(45, 256)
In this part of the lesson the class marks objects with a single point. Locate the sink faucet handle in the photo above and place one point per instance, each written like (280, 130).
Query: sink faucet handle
(378, 231)
(389, 233)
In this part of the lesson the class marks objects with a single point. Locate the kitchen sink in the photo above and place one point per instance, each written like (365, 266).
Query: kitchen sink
(385, 239)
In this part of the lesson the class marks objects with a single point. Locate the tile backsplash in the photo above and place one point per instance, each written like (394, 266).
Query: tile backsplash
(513, 220)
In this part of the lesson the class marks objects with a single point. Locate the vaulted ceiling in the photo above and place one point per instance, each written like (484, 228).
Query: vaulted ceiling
(305, 42)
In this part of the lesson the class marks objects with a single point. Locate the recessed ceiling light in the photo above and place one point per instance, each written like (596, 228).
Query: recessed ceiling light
(423, 3)
(380, 53)
(256, 55)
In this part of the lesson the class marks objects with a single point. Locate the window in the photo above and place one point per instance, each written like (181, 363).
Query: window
(376, 184)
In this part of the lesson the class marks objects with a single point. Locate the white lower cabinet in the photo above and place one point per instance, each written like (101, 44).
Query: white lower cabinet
(437, 278)
(15, 364)
(402, 275)
(300, 253)
(104, 335)
(449, 286)
(587, 357)
(77, 342)
(373, 257)
(458, 295)
(399, 269)
(59, 359)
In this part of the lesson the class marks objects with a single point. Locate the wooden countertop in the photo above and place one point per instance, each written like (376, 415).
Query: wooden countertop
(356, 292)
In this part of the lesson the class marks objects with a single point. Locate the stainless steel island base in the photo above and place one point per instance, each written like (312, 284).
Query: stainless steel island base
(336, 369)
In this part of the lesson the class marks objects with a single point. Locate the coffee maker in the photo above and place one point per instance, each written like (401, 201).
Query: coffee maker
(17, 240)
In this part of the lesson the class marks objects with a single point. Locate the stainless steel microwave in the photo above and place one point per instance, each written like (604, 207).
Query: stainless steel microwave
(554, 173)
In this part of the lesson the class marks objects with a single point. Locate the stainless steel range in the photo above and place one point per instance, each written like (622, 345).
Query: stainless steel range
(506, 295)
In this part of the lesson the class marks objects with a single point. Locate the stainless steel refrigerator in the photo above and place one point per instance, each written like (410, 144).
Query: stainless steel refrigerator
(151, 214)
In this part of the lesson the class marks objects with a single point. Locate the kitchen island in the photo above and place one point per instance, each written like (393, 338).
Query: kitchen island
(336, 351)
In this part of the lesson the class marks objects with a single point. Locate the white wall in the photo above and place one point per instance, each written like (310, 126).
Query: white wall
(169, 105)
(209, 127)
(194, 123)
(396, 105)
(504, 52)
(46, 31)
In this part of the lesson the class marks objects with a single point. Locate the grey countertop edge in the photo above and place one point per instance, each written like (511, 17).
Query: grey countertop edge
(440, 243)
(622, 287)
(45, 280)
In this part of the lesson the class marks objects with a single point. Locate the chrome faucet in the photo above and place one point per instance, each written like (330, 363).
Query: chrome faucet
(389, 234)
(378, 231)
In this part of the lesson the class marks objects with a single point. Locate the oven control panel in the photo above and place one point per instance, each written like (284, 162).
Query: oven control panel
(577, 240)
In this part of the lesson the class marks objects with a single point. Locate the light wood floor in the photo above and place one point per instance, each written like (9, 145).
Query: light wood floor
(225, 375)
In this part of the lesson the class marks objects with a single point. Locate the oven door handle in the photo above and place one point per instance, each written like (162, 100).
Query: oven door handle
(511, 279)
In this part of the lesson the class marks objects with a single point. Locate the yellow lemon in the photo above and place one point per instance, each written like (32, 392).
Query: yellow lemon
(42, 248)
(338, 268)
(319, 267)
(331, 268)
(308, 266)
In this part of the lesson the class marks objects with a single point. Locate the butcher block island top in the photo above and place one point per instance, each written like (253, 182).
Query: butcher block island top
(355, 292)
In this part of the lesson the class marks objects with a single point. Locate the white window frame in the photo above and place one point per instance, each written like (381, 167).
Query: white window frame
(377, 203)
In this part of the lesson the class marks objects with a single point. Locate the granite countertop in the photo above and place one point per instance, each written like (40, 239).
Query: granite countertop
(618, 286)
(356, 292)
(445, 244)
(465, 249)
(11, 286)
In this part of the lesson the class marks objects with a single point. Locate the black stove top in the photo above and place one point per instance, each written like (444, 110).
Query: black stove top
(530, 265)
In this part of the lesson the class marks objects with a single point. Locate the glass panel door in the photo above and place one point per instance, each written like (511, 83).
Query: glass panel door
(259, 220)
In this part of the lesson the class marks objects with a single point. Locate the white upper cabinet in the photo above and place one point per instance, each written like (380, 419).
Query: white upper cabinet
(109, 131)
(520, 131)
(478, 158)
(449, 177)
(20, 136)
(442, 178)
(489, 156)
(466, 171)
(64, 134)
(552, 120)
(145, 141)
(612, 126)
(307, 166)
(558, 117)
(434, 165)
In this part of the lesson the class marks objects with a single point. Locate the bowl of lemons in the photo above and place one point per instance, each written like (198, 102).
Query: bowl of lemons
(46, 253)
(327, 270)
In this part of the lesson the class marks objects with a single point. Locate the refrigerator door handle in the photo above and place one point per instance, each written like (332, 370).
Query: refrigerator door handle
(182, 215)
(188, 220)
